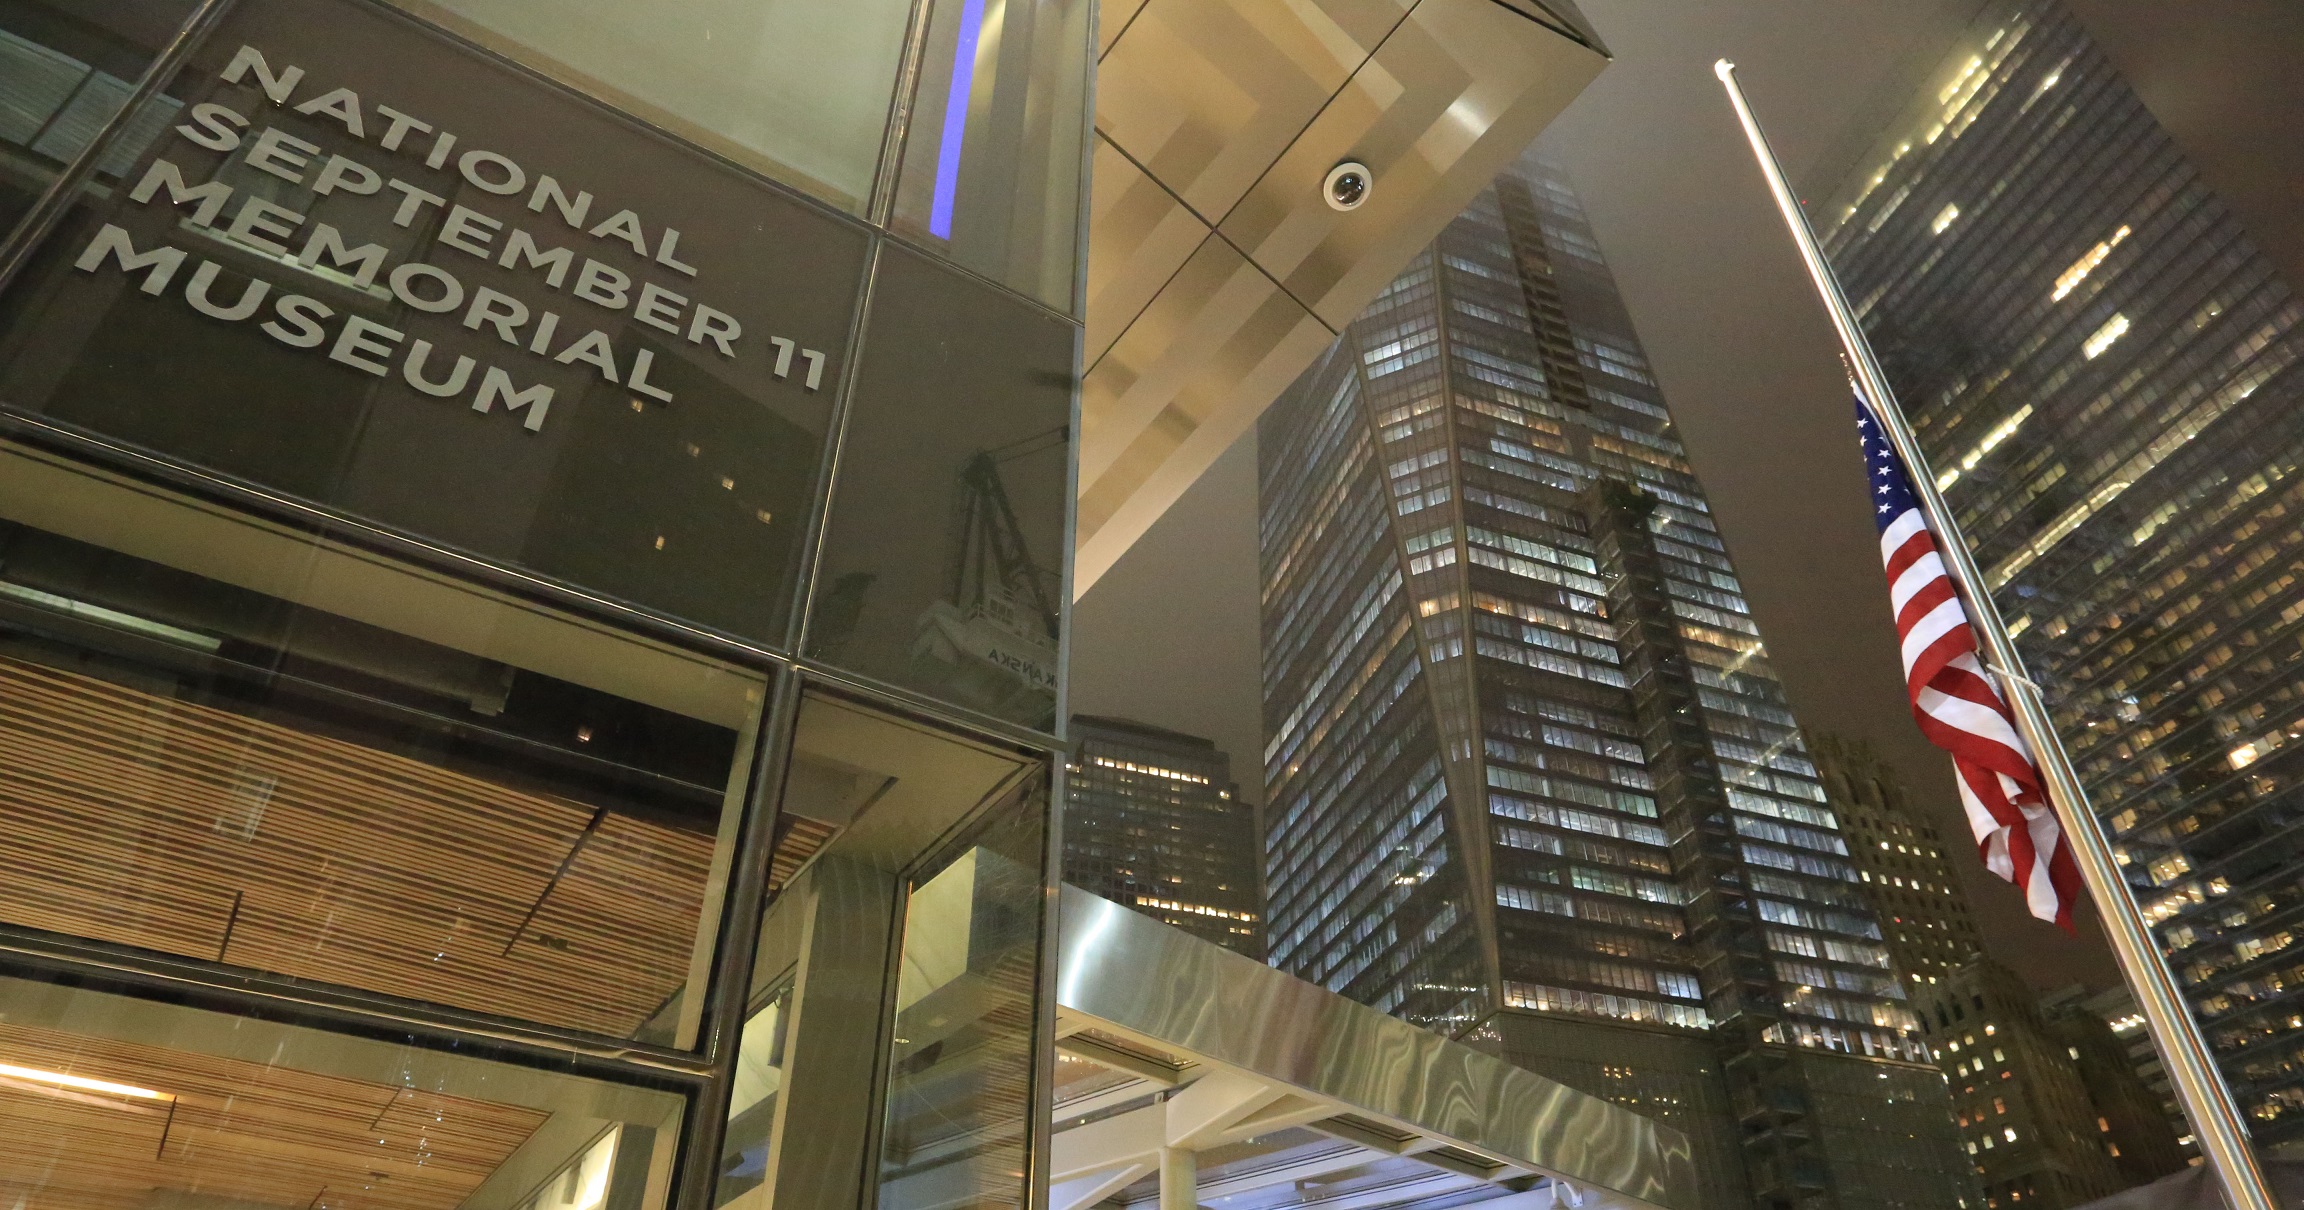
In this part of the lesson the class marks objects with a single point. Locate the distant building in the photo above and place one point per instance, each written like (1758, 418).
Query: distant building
(2018, 1097)
(2104, 370)
(1531, 779)
(2117, 1011)
(1154, 822)
(1901, 860)
(2137, 1132)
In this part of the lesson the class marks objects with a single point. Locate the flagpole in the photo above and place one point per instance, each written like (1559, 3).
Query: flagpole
(2206, 1099)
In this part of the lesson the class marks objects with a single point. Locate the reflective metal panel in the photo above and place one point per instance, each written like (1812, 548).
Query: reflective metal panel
(1226, 116)
(1195, 368)
(1141, 234)
(1206, 94)
(1461, 86)
(1345, 1069)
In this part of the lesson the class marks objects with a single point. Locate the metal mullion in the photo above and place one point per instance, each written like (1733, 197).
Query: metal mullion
(696, 1170)
(943, 715)
(318, 523)
(249, 993)
(812, 543)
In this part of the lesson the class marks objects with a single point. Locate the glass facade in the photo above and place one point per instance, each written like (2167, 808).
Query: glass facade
(1526, 752)
(481, 723)
(1899, 857)
(2101, 368)
(1155, 823)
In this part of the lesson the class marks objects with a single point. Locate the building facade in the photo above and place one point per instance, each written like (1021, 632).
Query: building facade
(2145, 1140)
(2021, 1103)
(1153, 821)
(1900, 858)
(2116, 1010)
(511, 695)
(2101, 367)
(1529, 778)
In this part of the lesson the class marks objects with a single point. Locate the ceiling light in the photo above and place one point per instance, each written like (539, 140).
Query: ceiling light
(83, 1083)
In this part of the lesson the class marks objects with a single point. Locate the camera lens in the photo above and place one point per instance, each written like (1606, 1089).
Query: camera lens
(1347, 185)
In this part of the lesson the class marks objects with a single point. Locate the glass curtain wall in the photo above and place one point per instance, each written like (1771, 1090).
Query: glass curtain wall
(452, 750)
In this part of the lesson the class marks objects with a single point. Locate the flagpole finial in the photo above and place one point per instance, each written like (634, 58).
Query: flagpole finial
(1723, 69)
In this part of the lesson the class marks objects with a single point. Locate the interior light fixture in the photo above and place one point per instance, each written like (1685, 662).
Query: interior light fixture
(81, 1083)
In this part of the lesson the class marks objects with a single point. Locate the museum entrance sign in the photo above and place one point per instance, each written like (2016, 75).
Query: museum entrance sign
(362, 265)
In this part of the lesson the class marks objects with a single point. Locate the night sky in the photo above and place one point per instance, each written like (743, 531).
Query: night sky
(1745, 357)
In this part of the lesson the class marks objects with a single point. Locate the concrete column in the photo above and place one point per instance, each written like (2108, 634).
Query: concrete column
(1179, 1179)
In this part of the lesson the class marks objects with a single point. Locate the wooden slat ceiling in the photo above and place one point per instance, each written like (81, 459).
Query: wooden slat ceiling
(136, 818)
(235, 1130)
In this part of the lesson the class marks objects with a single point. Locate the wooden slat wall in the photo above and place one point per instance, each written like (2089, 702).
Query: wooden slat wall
(237, 1130)
(143, 820)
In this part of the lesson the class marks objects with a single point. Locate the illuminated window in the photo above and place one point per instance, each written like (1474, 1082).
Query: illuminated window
(2113, 329)
(2071, 278)
(1949, 215)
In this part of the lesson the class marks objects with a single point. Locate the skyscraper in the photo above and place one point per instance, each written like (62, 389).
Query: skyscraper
(1154, 822)
(2049, 1108)
(2101, 367)
(1530, 778)
(1900, 859)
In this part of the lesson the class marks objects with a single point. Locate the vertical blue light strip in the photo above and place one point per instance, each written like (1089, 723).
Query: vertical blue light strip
(956, 119)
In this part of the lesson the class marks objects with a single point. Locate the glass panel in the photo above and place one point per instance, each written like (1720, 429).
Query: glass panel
(114, 1103)
(230, 742)
(799, 87)
(428, 291)
(943, 564)
(66, 67)
(991, 172)
(960, 1082)
(752, 1099)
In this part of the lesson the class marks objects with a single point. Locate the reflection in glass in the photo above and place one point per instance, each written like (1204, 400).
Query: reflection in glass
(991, 170)
(752, 1100)
(113, 1103)
(866, 796)
(228, 742)
(65, 70)
(943, 562)
(802, 85)
(959, 1089)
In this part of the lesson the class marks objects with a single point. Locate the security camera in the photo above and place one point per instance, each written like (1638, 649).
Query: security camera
(1347, 185)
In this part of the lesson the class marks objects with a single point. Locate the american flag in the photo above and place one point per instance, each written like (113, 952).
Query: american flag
(1956, 703)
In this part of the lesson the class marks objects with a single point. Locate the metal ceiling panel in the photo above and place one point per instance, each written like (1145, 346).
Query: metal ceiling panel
(1249, 1067)
(1459, 87)
(1206, 94)
(1197, 366)
(1216, 269)
(1142, 236)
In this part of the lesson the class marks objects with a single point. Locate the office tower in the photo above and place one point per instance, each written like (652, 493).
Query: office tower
(2101, 368)
(2140, 1134)
(1530, 778)
(1153, 821)
(2116, 1010)
(2020, 1101)
(1900, 860)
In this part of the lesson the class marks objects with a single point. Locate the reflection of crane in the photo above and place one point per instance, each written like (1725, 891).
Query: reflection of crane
(992, 641)
(990, 555)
